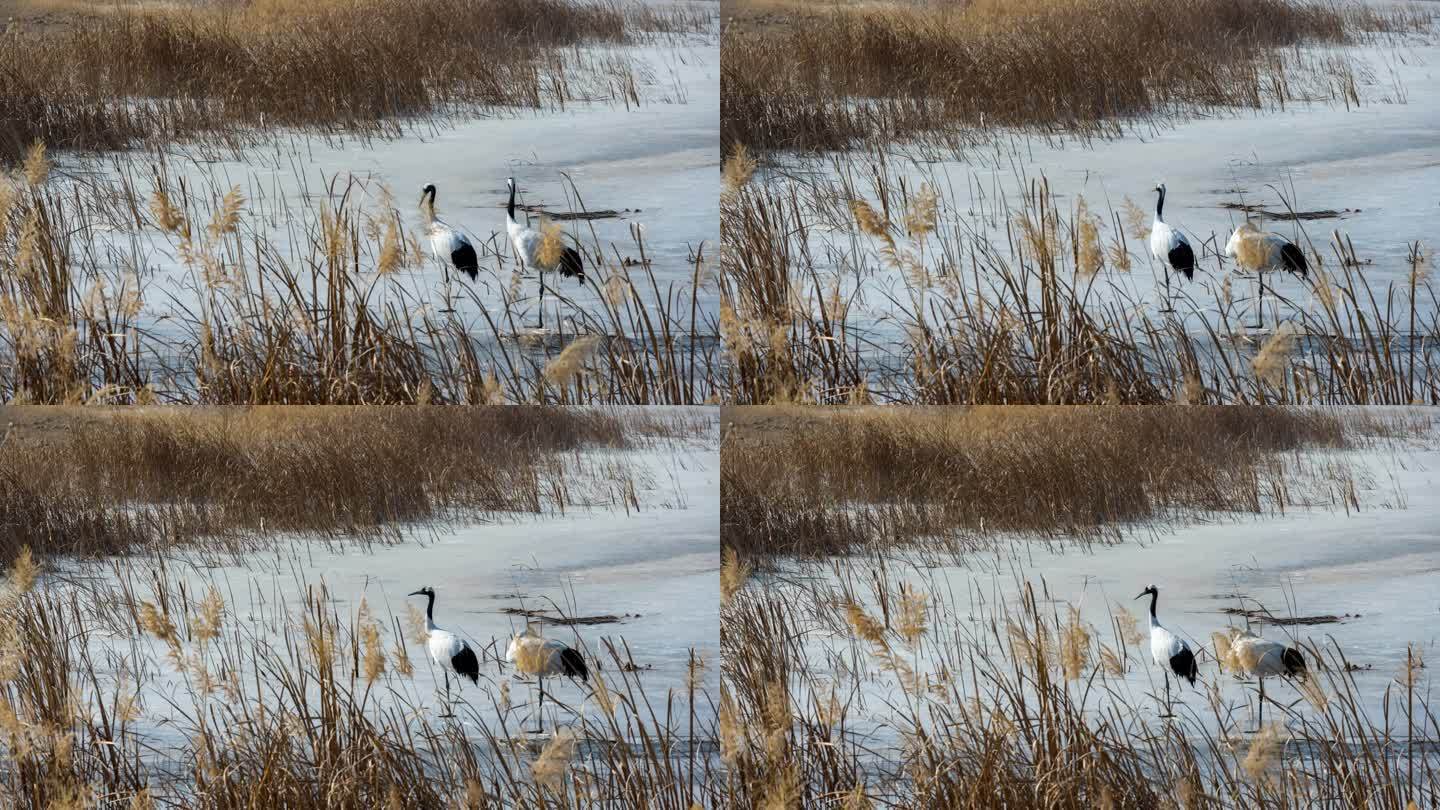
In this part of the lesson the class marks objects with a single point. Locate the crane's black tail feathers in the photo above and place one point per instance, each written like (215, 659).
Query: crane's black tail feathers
(1294, 662)
(1294, 259)
(467, 665)
(466, 261)
(574, 665)
(1182, 258)
(1183, 664)
(570, 264)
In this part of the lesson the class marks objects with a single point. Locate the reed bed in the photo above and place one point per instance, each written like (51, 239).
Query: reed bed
(318, 705)
(1032, 301)
(819, 77)
(227, 481)
(797, 483)
(226, 73)
(330, 307)
(864, 684)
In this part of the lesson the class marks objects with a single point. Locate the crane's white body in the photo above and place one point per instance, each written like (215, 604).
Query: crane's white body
(443, 646)
(533, 655)
(1164, 239)
(444, 240)
(1258, 657)
(526, 241)
(1164, 645)
(1267, 251)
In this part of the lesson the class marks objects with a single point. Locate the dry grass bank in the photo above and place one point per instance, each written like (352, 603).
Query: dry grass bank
(795, 483)
(330, 310)
(931, 700)
(219, 72)
(326, 713)
(820, 77)
(1039, 308)
(227, 480)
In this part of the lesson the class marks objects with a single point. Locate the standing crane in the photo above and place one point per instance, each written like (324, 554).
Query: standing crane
(1169, 651)
(1261, 252)
(1170, 247)
(448, 245)
(1256, 657)
(542, 657)
(450, 652)
(529, 245)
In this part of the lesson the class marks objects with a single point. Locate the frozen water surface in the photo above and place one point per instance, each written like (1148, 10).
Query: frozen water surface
(655, 569)
(1377, 164)
(655, 164)
(1374, 568)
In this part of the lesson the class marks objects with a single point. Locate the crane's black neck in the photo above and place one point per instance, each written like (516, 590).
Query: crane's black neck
(511, 208)
(1154, 595)
(430, 192)
(1160, 206)
(430, 607)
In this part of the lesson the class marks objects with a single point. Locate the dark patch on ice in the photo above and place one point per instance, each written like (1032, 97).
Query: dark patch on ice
(1261, 616)
(565, 216)
(568, 621)
(1287, 216)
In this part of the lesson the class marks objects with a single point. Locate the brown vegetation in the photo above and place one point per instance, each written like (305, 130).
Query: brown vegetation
(220, 72)
(327, 712)
(814, 484)
(928, 699)
(317, 314)
(229, 480)
(1038, 311)
(824, 76)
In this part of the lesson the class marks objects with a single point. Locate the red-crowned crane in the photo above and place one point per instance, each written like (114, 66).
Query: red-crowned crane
(528, 242)
(543, 657)
(448, 245)
(1256, 657)
(1261, 252)
(1170, 247)
(450, 652)
(1169, 651)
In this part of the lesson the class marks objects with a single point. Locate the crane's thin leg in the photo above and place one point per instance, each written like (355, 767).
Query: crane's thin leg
(1260, 301)
(1169, 302)
(1168, 713)
(540, 715)
(541, 276)
(1261, 722)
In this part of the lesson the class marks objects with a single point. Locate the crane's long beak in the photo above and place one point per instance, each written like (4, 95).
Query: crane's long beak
(1142, 594)
(416, 593)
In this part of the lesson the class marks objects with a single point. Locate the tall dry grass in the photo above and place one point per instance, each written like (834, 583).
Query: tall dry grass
(320, 312)
(811, 483)
(1033, 303)
(143, 694)
(928, 698)
(224, 72)
(824, 76)
(230, 480)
